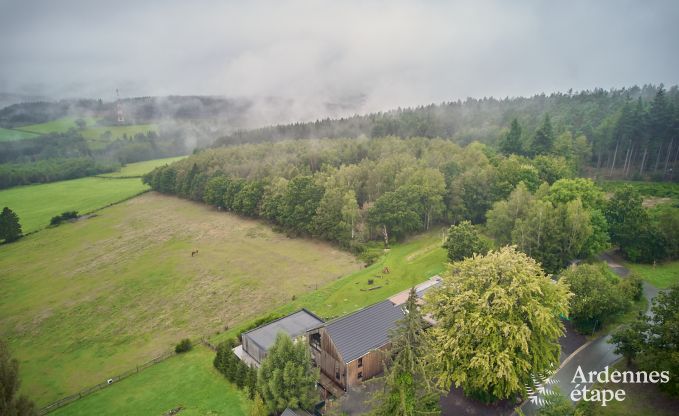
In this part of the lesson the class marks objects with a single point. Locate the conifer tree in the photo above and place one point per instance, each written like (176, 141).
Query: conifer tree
(10, 228)
(512, 141)
(543, 142)
(409, 388)
(286, 377)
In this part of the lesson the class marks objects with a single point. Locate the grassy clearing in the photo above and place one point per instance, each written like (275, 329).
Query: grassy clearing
(8, 135)
(188, 380)
(648, 189)
(37, 204)
(88, 300)
(139, 169)
(662, 275)
(96, 132)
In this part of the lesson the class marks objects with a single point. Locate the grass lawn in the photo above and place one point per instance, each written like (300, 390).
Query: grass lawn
(87, 300)
(661, 276)
(37, 204)
(139, 169)
(410, 263)
(7, 135)
(640, 400)
(188, 381)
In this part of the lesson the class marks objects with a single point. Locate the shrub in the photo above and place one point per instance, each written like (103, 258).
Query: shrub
(68, 215)
(183, 346)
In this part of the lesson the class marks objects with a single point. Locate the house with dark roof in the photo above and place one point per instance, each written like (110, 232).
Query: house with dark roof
(350, 349)
(297, 412)
(256, 342)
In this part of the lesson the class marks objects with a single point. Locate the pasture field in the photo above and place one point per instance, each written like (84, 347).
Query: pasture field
(37, 204)
(139, 169)
(88, 300)
(8, 135)
(662, 275)
(410, 262)
(188, 381)
(60, 125)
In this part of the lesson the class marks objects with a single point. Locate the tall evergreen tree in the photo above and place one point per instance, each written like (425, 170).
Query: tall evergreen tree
(512, 141)
(543, 142)
(286, 377)
(409, 387)
(10, 228)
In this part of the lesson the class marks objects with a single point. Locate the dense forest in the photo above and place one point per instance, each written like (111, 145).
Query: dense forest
(352, 191)
(633, 132)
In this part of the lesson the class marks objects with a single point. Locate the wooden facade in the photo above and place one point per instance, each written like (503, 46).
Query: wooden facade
(330, 362)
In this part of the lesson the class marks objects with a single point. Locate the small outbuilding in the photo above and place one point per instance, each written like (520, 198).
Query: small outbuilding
(256, 342)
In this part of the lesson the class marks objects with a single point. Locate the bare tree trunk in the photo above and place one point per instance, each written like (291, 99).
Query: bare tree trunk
(615, 154)
(386, 235)
(643, 160)
(624, 165)
(667, 158)
(674, 164)
(657, 159)
(629, 164)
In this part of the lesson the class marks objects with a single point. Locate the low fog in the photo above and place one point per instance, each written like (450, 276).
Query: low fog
(307, 59)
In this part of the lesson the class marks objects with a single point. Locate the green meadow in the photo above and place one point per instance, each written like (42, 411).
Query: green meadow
(88, 300)
(139, 169)
(661, 275)
(7, 135)
(410, 262)
(188, 381)
(37, 204)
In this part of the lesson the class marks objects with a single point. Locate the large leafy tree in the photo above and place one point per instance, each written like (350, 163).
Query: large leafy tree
(10, 403)
(408, 384)
(286, 377)
(497, 324)
(464, 241)
(631, 228)
(597, 295)
(10, 228)
(397, 213)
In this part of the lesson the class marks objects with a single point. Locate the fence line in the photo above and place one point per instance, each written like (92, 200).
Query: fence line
(85, 392)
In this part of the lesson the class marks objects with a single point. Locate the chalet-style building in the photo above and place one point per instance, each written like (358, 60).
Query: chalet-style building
(351, 349)
(256, 342)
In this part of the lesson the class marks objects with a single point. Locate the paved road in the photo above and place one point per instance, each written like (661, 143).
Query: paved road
(594, 357)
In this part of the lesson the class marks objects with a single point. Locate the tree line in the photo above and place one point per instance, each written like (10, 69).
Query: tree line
(60, 156)
(350, 191)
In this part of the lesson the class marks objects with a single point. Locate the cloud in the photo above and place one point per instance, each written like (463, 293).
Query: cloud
(322, 57)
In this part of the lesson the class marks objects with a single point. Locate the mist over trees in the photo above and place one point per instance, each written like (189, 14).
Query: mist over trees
(628, 132)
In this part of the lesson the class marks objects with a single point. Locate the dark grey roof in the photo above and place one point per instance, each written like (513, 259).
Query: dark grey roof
(357, 334)
(295, 324)
(298, 412)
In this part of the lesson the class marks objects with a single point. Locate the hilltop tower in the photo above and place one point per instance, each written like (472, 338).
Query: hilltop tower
(119, 109)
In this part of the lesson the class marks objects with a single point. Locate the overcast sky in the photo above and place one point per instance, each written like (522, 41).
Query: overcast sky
(377, 54)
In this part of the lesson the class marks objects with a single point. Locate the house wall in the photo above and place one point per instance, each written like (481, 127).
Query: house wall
(253, 349)
(372, 365)
(328, 359)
